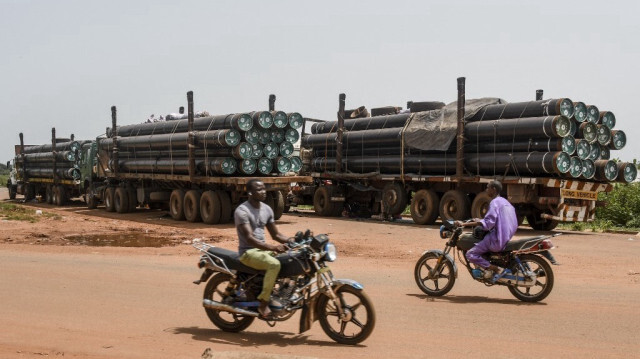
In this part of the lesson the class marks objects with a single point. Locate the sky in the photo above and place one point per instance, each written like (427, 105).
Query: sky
(64, 63)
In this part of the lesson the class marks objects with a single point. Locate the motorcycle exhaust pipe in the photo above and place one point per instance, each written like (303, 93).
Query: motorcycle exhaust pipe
(212, 304)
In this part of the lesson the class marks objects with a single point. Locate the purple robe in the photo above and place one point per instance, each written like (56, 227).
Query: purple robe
(501, 220)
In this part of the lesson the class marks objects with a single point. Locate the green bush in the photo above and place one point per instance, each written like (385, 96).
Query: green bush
(3, 180)
(622, 206)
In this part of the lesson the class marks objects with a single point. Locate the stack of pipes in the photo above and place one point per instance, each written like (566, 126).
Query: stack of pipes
(545, 138)
(42, 160)
(253, 143)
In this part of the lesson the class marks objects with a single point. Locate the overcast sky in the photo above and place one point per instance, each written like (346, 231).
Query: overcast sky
(63, 64)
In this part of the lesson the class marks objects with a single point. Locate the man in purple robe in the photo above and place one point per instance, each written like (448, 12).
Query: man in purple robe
(501, 222)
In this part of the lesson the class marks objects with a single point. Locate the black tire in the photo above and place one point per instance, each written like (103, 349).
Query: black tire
(90, 198)
(322, 201)
(226, 210)
(351, 300)
(121, 200)
(210, 207)
(228, 322)
(61, 195)
(425, 206)
(13, 191)
(544, 278)
(49, 194)
(192, 205)
(480, 205)
(176, 204)
(423, 276)
(395, 198)
(30, 193)
(455, 205)
(271, 202)
(541, 224)
(108, 199)
(278, 208)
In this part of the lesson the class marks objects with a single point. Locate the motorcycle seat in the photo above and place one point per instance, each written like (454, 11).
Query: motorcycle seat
(231, 260)
(288, 265)
(523, 243)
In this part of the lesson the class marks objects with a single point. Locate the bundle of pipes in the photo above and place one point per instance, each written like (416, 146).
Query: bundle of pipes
(46, 161)
(253, 143)
(555, 137)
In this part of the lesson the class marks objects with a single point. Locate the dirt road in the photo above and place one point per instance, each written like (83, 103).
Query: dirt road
(60, 298)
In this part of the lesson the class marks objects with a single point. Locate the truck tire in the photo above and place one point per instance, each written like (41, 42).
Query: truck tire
(271, 202)
(61, 197)
(210, 207)
(192, 205)
(322, 201)
(30, 193)
(480, 205)
(394, 196)
(455, 205)
(108, 199)
(49, 195)
(90, 197)
(226, 211)
(13, 191)
(425, 206)
(121, 200)
(278, 202)
(176, 204)
(133, 199)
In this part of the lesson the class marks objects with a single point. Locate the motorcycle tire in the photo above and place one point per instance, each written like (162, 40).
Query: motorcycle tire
(351, 300)
(446, 271)
(535, 264)
(229, 322)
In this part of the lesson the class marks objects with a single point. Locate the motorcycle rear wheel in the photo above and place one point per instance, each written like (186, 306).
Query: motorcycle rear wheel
(229, 322)
(350, 330)
(538, 265)
(440, 281)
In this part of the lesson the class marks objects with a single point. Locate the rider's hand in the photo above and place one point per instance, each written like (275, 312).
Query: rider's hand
(280, 248)
(458, 223)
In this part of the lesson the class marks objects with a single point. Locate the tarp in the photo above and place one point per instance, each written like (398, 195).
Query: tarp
(435, 130)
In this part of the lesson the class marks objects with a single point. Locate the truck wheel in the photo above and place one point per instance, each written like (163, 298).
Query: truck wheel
(480, 205)
(30, 193)
(425, 206)
(210, 207)
(49, 195)
(108, 199)
(455, 205)
(278, 201)
(176, 204)
(133, 199)
(90, 198)
(322, 201)
(121, 200)
(192, 205)
(225, 206)
(13, 191)
(61, 197)
(394, 197)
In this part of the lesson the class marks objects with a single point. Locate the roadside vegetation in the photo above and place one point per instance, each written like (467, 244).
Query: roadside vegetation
(4, 175)
(14, 212)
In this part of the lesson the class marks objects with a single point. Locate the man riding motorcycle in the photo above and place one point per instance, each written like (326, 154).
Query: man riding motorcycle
(501, 223)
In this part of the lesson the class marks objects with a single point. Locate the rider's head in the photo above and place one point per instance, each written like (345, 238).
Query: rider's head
(256, 189)
(494, 188)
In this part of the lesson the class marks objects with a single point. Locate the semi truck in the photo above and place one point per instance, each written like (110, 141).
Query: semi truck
(544, 183)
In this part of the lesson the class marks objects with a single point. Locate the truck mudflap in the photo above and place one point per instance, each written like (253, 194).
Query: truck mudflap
(578, 200)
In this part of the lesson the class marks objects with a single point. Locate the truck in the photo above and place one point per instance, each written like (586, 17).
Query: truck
(54, 172)
(544, 196)
(177, 176)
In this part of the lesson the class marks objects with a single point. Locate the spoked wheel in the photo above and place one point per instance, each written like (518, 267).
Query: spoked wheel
(229, 322)
(357, 321)
(533, 264)
(432, 279)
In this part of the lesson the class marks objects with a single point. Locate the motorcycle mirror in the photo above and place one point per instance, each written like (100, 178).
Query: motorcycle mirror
(307, 234)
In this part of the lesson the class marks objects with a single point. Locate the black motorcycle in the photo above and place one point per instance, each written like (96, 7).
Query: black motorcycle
(528, 277)
(304, 283)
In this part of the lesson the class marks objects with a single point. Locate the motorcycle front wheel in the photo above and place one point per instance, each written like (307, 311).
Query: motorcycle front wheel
(357, 321)
(229, 322)
(544, 279)
(431, 280)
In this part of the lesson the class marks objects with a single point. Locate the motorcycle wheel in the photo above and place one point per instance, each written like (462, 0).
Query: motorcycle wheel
(357, 324)
(544, 280)
(229, 322)
(442, 280)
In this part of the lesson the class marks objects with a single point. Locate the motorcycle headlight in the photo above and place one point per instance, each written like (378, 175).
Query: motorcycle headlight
(331, 252)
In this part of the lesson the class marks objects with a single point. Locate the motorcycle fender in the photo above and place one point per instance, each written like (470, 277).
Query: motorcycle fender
(448, 257)
(310, 308)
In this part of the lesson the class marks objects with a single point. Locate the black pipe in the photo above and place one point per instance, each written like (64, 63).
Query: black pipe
(239, 121)
(59, 146)
(62, 173)
(360, 124)
(555, 107)
(340, 134)
(63, 156)
(191, 137)
(114, 140)
(218, 165)
(461, 129)
(178, 141)
(241, 151)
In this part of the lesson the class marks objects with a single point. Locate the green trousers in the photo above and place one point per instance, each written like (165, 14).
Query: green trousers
(263, 260)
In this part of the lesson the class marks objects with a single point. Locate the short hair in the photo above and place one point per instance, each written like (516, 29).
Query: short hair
(497, 185)
(251, 184)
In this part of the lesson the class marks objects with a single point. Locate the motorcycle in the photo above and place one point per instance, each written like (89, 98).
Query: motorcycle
(529, 277)
(305, 283)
